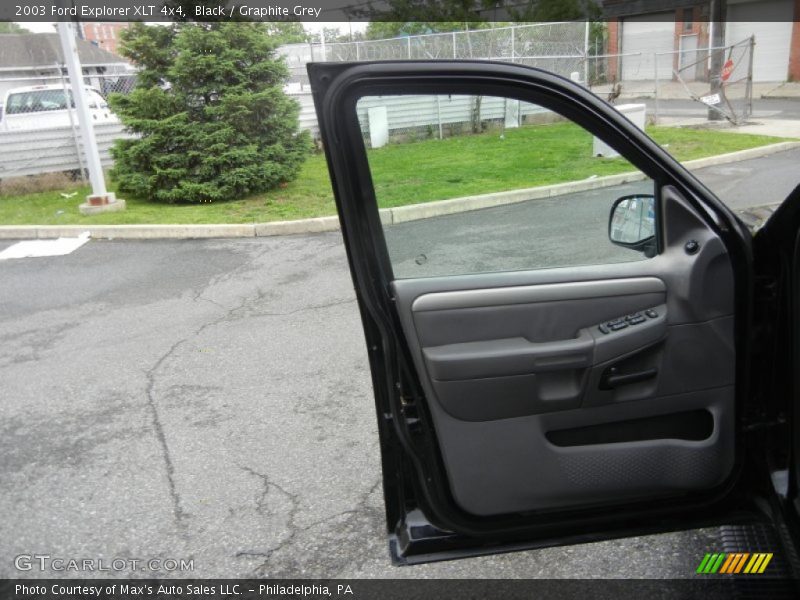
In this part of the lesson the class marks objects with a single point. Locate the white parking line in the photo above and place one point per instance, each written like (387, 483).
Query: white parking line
(37, 248)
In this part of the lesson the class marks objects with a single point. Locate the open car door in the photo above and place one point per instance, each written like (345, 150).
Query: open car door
(557, 339)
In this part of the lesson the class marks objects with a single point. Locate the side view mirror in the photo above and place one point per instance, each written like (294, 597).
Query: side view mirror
(632, 223)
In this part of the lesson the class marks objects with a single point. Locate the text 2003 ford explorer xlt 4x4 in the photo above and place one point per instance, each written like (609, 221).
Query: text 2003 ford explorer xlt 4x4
(644, 381)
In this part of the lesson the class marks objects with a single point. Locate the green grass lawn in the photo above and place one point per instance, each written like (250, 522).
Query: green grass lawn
(403, 174)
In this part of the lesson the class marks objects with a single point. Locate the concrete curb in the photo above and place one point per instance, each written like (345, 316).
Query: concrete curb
(389, 216)
(784, 91)
(748, 154)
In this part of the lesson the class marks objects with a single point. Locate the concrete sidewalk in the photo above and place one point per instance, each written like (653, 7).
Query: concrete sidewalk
(782, 128)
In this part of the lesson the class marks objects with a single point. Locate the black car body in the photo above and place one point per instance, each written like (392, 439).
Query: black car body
(529, 407)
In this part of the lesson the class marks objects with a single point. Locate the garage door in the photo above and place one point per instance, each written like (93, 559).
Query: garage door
(771, 23)
(647, 35)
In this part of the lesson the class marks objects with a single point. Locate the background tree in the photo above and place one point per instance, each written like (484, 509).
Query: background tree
(11, 27)
(379, 30)
(287, 32)
(413, 13)
(555, 10)
(335, 35)
(425, 11)
(212, 119)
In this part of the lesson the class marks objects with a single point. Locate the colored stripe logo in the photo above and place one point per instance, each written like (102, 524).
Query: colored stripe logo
(733, 563)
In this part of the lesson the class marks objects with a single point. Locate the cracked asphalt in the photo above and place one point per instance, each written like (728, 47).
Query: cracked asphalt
(210, 400)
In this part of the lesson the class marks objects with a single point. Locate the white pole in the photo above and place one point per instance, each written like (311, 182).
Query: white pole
(586, 55)
(70, 50)
(710, 41)
(513, 43)
(75, 135)
(439, 116)
(657, 90)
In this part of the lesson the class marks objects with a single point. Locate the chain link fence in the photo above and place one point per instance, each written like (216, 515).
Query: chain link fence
(668, 80)
(675, 85)
(731, 94)
(557, 47)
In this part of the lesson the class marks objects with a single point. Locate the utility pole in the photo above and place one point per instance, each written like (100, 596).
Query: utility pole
(716, 20)
(100, 200)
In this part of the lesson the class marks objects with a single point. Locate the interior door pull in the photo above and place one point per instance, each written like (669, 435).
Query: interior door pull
(612, 378)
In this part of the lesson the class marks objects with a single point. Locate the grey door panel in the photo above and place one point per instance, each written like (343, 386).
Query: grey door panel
(504, 466)
(536, 321)
(510, 356)
(523, 377)
(512, 396)
(691, 357)
(506, 358)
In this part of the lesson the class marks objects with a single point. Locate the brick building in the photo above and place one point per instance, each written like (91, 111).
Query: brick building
(103, 35)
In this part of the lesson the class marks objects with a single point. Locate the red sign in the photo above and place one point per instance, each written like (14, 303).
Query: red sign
(727, 69)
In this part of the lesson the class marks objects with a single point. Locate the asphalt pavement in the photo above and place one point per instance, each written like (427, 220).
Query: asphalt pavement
(564, 230)
(209, 400)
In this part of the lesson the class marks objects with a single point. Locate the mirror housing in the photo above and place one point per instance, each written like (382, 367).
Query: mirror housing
(632, 223)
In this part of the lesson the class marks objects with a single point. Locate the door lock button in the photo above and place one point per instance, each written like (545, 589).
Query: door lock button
(651, 313)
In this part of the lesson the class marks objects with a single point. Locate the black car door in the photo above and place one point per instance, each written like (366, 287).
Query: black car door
(557, 354)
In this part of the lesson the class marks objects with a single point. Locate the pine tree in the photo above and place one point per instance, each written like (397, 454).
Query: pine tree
(211, 118)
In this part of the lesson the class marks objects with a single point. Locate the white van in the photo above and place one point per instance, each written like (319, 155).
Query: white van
(45, 106)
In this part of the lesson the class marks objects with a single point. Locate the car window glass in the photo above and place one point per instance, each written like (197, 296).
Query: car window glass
(475, 184)
(36, 101)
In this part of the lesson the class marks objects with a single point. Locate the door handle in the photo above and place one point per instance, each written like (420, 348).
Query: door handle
(612, 378)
